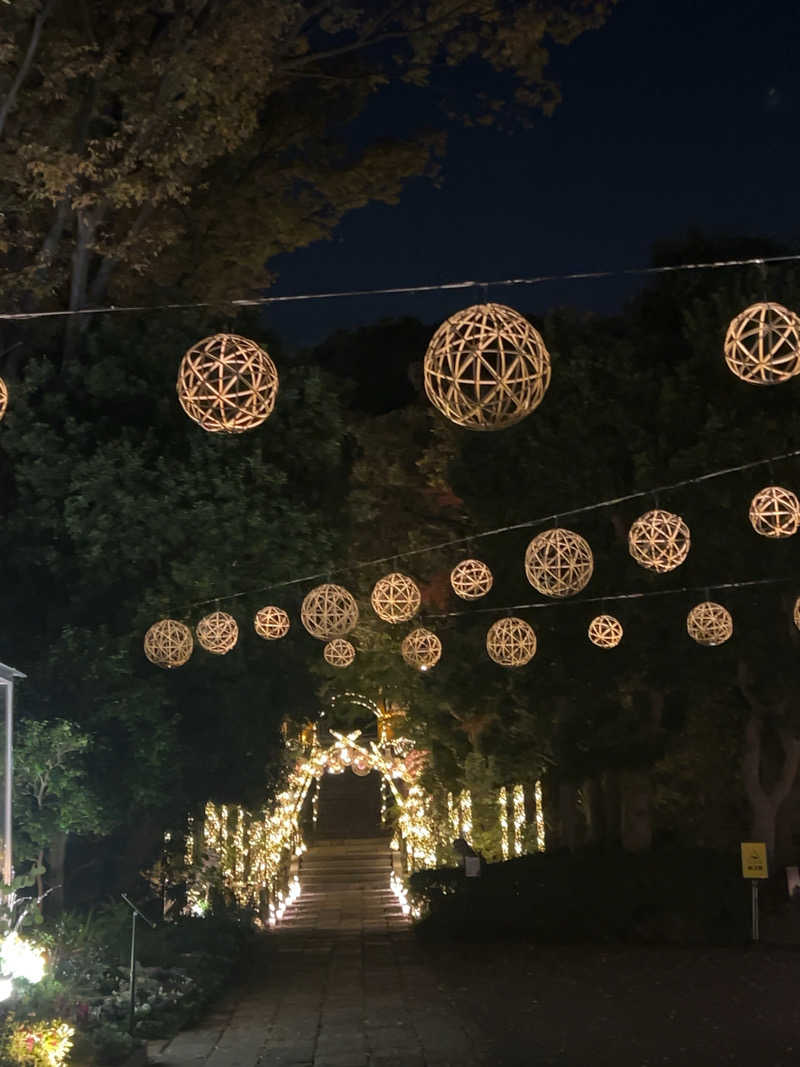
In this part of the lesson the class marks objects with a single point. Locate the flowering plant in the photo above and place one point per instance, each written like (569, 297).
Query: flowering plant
(40, 1042)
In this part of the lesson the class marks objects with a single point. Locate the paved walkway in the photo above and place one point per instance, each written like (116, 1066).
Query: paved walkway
(345, 985)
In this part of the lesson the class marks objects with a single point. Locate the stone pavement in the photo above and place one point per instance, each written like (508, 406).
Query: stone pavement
(342, 983)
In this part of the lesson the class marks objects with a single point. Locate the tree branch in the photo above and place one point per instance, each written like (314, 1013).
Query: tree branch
(22, 73)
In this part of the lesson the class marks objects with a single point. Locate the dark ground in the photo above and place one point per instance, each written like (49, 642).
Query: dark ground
(630, 1007)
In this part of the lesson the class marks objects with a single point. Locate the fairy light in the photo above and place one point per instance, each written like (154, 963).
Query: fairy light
(540, 839)
(518, 805)
(465, 805)
(501, 803)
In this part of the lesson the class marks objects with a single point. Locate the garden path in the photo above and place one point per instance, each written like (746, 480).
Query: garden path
(341, 982)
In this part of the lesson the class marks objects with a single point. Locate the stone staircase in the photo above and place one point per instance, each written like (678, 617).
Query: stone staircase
(345, 875)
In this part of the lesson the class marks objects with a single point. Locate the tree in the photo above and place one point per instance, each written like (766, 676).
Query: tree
(187, 143)
(116, 511)
(52, 796)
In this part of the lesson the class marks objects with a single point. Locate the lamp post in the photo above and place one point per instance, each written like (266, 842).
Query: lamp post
(7, 677)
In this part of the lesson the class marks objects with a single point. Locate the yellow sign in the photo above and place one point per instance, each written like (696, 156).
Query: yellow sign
(754, 859)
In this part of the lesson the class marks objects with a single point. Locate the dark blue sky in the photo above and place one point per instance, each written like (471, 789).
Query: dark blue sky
(676, 113)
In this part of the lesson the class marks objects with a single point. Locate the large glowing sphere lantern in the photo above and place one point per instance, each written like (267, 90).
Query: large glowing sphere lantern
(486, 367)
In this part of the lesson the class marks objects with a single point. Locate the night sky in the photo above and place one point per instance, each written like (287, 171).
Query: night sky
(677, 113)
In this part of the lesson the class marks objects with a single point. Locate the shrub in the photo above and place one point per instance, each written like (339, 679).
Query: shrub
(669, 894)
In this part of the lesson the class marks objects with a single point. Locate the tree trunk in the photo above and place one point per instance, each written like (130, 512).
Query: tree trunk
(568, 814)
(56, 865)
(637, 822)
(764, 806)
(595, 810)
(613, 806)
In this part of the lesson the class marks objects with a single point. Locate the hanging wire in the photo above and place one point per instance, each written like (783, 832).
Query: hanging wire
(265, 301)
(577, 602)
(453, 542)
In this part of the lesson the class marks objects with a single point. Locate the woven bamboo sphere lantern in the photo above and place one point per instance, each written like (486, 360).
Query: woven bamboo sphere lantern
(796, 613)
(511, 642)
(659, 540)
(395, 598)
(775, 512)
(559, 562)
(271, 623)
(329, 611)
(486, 367)
(3, 398)
(421, 649)
(471, 579)
(227, 384)
(709, 623)
(762, 344)
(605, 631)
(339, 653)
(168, 643)
(217, 632)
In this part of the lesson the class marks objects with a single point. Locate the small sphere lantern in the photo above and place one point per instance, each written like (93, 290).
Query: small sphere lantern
(271, 623)
(796, 613)
(775, 512)
(339, 652)
(421, 649)
(227, 384)
(360, 766)
(762, 344)
(3, 398)
(709, 623)
(511, 642)
(395, 598)
(471, 579)
(559, 562)
(486, 367)
(659, 540)
(329, 611)
(168, 643)
(605, 631)
(217, 632)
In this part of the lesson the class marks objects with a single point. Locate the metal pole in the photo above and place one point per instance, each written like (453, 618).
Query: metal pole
(755, 909)
(132, 1012)
(9, 772)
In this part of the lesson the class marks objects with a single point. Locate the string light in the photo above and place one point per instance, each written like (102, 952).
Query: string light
(502, 804)
(518, 804)
(540, 833)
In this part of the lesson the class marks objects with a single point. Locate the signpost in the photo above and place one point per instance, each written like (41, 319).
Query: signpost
(754, 867)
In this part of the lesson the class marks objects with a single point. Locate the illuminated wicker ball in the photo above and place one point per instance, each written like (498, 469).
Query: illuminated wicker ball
(168, 643)
(227, 384)
(421, 649)
(511, 642)
(471, 579)
(486, 367)
(796, 613)
(271, 623)
(605, 631)
(3, 398)
(709, 623)
(339, 653)
(395, 598)
(329, 611)
(559, 562)
(659, 540)
(762, 344)
(217, 632)
(775, 512)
